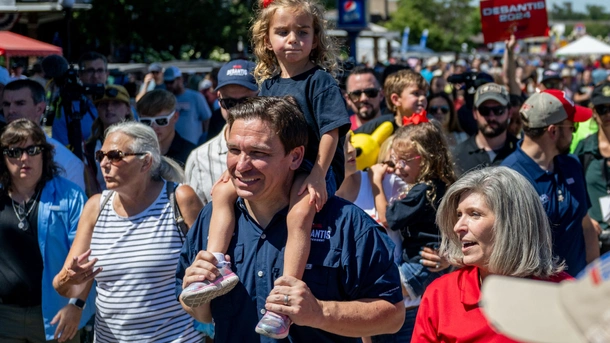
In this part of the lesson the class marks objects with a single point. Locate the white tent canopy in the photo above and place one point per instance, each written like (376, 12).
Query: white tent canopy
(585, 45)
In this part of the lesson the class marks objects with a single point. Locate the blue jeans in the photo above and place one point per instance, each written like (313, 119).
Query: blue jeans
(418, 277)
(404, 334)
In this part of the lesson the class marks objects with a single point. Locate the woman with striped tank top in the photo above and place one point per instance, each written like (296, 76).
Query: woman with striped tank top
(129, 241)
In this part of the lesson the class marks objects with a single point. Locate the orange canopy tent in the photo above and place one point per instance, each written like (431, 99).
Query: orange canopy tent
(12, 44)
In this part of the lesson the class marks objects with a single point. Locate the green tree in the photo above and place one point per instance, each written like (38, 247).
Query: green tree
(143, 30)
(450, 22)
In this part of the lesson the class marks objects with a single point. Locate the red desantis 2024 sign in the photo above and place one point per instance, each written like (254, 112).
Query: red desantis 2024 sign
(523, 18)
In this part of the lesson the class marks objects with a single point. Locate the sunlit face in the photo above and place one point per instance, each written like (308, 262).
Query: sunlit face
(291, 36)
(25, 169)
(475, 229)
(366, 108)
(20, 104)
(407, 162)
(350, 157)
(128, 171)
(235, 92)
(258, 165)
(411, 100)
(112, 111)
(164, 133)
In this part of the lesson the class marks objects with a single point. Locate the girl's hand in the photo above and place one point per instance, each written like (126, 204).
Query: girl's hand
(224, 178)
(378, 171)
(431, 259)
(316, 186)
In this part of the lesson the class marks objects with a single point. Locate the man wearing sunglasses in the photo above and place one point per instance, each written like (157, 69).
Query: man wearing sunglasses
(542, 157)
(194, 112)
(492, 143)
(26, 99)
(207, 163)
(153, 80)
(594, 155)
(157, 109)
(364, 94)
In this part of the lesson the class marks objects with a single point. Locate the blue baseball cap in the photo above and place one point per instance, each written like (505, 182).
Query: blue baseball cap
(171, 73)
(237, 72)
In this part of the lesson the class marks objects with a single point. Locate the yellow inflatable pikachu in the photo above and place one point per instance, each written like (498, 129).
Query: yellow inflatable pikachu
(367, 146)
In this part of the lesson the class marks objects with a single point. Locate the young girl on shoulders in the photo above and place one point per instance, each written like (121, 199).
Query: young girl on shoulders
(295, 58)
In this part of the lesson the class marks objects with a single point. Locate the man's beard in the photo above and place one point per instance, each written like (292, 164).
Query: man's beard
(490, 132)
(368, 114)
(563, 150)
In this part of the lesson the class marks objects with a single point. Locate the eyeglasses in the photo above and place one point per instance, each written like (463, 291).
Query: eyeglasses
(572, 127)
(402, 163)
(115, 155)
(443, 109)
(228, 103)
(369, 92)
(91, 71)
(486, 111)
(160, 121)
(31, 150)
(602, 109)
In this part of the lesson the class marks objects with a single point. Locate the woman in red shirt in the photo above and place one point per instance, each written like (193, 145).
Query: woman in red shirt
(492, 222)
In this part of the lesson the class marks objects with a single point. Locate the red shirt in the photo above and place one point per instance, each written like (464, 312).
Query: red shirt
(449, 310)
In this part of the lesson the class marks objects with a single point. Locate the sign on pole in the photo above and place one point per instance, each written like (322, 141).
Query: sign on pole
(523, 18)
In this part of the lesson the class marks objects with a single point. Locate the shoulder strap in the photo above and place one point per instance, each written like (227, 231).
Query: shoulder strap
(104, 202)
(585, 160)
(170, 188)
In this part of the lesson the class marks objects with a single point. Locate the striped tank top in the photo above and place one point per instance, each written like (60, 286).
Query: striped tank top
(136, 299)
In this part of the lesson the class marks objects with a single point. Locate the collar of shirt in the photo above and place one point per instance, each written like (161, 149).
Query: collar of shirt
(469, 287)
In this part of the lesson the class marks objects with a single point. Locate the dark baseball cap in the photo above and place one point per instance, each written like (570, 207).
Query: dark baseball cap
(237, 72)
(550, 74)
(601, 94)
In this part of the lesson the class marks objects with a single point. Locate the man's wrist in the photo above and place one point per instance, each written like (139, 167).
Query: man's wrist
(78, 303)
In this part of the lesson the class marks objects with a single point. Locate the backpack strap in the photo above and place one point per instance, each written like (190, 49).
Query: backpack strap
(104, 202)
(586, 159)
(170, 188)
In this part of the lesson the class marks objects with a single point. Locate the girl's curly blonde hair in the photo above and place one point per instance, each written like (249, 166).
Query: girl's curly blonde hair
(324, 55)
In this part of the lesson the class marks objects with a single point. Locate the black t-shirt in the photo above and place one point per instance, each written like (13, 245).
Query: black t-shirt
(468, 155)
(20, 257)
(180, 149)
(320, 99)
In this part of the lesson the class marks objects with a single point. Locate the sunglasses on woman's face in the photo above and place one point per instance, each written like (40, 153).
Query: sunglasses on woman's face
(228, 103)
(159, 121)
(602, 109)
(443, 109)
(115, 155)
(31, 150)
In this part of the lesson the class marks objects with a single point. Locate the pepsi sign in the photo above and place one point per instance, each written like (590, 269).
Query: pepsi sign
(352, 15)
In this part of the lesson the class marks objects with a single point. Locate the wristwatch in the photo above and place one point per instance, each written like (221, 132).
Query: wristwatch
(78, 303)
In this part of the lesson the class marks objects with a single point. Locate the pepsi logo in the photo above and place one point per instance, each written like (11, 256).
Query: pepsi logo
(350, 6)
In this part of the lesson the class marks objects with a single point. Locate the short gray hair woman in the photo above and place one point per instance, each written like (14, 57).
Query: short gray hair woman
(131, 233)
(491, 222)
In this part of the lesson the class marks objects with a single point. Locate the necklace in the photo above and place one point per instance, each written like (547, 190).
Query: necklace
(24, 224)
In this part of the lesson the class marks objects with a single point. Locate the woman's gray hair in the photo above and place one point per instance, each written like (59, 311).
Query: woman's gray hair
(522, 244)
(145, 140)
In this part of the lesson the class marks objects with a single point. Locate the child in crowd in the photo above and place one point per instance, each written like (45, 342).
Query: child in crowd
(295, 58)
(405, 92)
(420, 157)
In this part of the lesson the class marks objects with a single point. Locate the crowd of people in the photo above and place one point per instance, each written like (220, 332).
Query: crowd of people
(246, 210)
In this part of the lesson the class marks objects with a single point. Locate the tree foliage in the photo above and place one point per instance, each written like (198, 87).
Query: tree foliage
(450, 22)
(145, 30)
(595, 18)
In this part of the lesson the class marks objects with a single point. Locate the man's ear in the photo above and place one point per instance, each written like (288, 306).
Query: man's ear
(296, 157)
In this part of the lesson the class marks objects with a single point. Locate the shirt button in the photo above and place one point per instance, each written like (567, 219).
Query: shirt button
(260, 273)
(263, 236)
(263, 311)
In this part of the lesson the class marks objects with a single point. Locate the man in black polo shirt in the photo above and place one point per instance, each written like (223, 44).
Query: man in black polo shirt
(492, 143)
(157, 109)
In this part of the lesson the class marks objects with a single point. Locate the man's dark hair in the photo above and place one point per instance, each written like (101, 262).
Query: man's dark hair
(35, 88)
(156, 101)
(91, 56)
(361, 70)
(282, 113)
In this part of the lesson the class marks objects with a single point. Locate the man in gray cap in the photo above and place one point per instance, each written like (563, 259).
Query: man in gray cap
(542, 157)
(492, 143)
(153, 80)
(206, 163)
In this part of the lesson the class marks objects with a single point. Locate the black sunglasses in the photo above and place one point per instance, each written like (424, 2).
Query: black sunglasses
(602, 109)
(31, 150)
(553, 84)
(369, 92)
(228, 103)
(115, 155)
(486, 111)
(443, 109)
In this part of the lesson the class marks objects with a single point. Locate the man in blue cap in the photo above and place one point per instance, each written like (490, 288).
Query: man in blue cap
(206, 163)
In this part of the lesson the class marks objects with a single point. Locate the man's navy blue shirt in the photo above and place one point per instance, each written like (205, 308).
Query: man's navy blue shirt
(566, 182)
(350, 259)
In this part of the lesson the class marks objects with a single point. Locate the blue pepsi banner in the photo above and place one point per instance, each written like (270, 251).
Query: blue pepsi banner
(353, 15)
